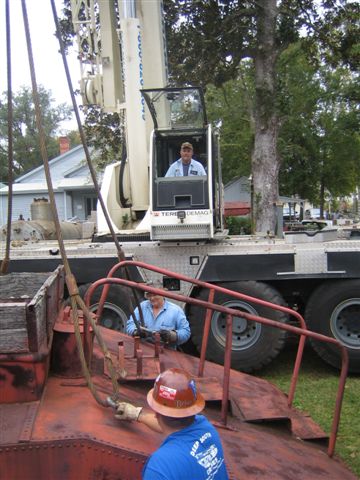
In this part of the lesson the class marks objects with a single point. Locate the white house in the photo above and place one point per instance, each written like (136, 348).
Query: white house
(73, 188)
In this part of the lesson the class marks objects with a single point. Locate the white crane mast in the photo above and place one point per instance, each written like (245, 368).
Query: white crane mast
(122, 50)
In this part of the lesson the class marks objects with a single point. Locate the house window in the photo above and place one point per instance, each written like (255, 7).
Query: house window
(90, 205)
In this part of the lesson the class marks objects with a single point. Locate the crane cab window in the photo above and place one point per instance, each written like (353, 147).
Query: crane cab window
(178, 191)
(167, 153)
(179, 116)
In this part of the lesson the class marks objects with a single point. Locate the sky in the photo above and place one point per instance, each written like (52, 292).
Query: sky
(49, 67)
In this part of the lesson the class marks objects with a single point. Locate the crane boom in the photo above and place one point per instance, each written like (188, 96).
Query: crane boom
(115, 65)
(122, 48)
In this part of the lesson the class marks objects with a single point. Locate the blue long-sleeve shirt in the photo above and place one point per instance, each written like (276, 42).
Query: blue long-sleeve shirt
(177, 169)
(194, 452)
(171, 317)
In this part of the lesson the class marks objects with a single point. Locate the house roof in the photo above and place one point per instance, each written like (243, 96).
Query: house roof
(25, 188)
(242, 179)
(77, 152)
(73, 174)
(75, 183)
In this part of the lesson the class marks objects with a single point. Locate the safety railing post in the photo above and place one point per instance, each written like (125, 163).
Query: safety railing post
(230, 312)
(206, 332)
(227, 367)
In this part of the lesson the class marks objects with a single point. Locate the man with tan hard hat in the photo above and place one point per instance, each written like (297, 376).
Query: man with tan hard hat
(192, 448)
(186, 165)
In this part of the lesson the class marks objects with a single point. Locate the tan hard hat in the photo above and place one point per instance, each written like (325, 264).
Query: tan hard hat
(175, 395)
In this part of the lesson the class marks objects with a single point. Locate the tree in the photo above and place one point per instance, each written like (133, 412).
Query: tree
(338, 138)
(299, 91)
(209, 39)
(227, 107)
(318, 113)
(26, 149)
(318, 139)
(104, 132)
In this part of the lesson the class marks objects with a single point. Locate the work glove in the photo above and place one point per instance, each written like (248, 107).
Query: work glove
(168, 336)
(139, 332)
(127, 411)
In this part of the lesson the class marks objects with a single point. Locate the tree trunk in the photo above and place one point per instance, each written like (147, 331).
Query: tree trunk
(265, 160)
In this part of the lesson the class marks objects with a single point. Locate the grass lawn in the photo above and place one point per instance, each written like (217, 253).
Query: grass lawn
(316, 393)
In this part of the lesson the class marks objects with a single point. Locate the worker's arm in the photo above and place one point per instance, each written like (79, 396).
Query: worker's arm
(127, 411)
(182, 327)
(130, 324)
(148, 418)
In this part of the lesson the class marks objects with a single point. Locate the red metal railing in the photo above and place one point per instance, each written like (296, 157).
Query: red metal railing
(230, 313)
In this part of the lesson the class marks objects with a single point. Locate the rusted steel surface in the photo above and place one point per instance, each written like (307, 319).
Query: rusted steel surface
(69, 459)
(65, 360)
(22, 377)
(16, 422)
(71, 436)
(303, 332)
(251, 399)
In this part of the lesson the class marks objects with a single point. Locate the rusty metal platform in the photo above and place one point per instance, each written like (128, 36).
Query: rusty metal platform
(67, 432)
(252, 399)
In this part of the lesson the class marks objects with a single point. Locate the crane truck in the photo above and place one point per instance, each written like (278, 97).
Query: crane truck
(177, 223)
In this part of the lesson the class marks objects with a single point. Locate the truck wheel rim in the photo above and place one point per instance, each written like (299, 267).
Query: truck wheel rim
(244, 334)
(345, 323)
(113, 317)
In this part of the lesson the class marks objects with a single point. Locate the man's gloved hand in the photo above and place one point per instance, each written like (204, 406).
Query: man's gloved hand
(168, 336)
(140, 333)
(127, 411)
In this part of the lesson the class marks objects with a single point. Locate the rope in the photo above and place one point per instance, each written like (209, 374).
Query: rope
(120, 252)
(70, 280)
(6, 259)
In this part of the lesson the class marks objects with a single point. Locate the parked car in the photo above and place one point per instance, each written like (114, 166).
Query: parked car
(290, 215)
(312, 213)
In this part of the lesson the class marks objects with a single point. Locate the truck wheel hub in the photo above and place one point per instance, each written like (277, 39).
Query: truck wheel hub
(345, 323)
(244, 333)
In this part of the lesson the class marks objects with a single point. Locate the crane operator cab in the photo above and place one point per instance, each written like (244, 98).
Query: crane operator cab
(185, 201)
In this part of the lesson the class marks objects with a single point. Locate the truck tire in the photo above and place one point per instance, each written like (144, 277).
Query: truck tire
(253, 345)
(334, 310)
(116, 307)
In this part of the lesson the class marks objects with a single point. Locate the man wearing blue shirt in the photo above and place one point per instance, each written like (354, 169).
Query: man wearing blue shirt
(186, 165)
(192, 449)
(162, 316)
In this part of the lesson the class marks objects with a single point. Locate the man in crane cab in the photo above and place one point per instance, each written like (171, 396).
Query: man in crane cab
(192, 449)
(186, 165)
(161, 316)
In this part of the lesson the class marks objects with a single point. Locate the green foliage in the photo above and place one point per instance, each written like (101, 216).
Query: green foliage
(74, 138)
(229, 108)
(207, 40)
(25, 135)
(317, 109)
(104, 132)
(319, 138)
(238, 225)
(338, 33)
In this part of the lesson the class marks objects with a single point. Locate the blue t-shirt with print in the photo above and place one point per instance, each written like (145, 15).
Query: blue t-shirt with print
(193, 453)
